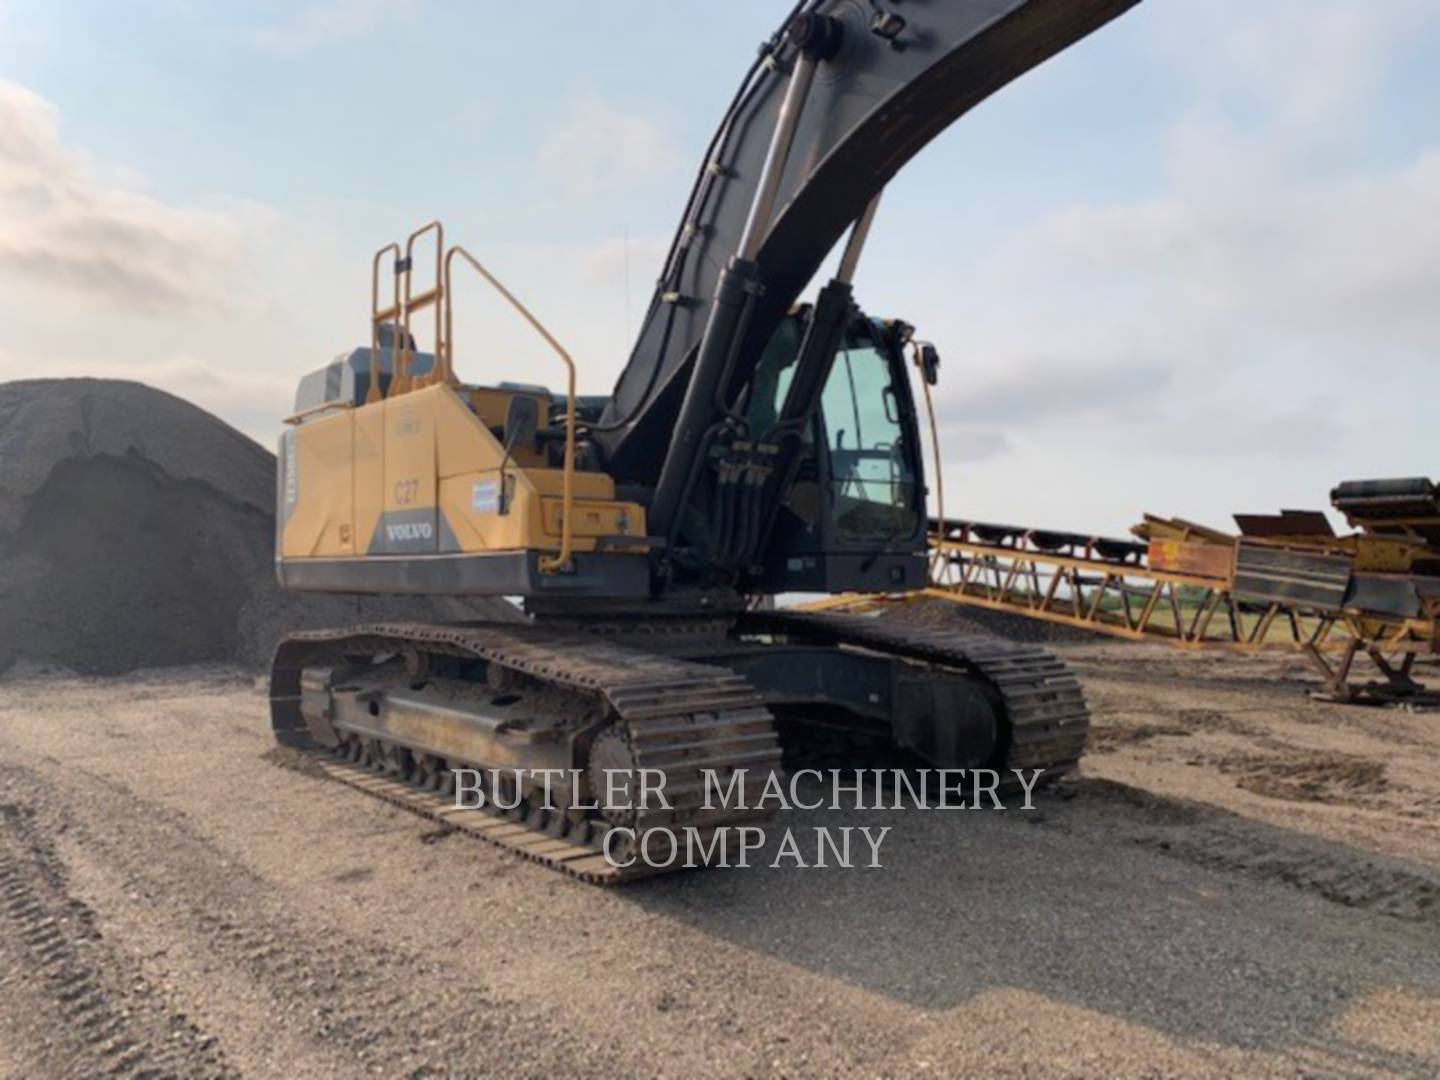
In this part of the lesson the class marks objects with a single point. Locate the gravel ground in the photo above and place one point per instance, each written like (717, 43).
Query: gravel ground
(1240, 881)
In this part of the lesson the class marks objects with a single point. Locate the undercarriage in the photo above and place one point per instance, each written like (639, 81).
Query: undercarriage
(552, 741)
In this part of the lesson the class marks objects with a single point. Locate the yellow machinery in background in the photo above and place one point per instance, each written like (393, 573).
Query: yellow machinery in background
(1282, 582)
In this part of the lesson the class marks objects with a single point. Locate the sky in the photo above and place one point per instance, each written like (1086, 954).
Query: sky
(1191, 266)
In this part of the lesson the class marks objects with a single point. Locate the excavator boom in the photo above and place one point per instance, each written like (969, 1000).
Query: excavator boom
(885, 79)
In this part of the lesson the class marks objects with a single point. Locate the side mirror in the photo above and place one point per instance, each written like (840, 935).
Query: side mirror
(928, 359)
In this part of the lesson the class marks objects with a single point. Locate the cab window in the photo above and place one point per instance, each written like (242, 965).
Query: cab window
(872, 477)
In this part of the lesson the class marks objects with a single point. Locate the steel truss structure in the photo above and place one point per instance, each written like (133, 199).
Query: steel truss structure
(1109, 586)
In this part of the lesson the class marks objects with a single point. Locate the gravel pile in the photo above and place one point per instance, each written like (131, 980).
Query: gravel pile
(137, 530)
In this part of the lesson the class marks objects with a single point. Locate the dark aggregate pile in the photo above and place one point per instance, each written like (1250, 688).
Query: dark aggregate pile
(137, 530)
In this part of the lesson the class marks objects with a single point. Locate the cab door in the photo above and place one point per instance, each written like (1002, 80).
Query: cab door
(852, 517)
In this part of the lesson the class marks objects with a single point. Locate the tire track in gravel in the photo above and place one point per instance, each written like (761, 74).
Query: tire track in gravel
(1218, 839)
(347, 998)
(105, 1018)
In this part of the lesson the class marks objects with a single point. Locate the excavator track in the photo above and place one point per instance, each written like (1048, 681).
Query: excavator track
(1045, 708)
(675, 716)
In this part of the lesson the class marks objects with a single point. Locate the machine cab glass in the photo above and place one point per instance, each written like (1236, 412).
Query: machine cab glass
(871, 468)
(851, 517)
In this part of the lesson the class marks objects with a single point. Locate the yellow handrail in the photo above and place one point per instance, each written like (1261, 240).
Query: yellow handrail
(377, 317)
(549, 564)
(403, 360)
(324, 406)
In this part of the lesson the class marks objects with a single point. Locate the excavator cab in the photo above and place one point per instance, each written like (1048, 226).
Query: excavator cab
(852, 517)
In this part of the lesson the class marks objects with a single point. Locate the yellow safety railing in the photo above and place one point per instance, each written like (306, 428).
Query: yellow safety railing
(404, 303)
(372, 395)
(549, 564)
(316, 410)
(412, 303)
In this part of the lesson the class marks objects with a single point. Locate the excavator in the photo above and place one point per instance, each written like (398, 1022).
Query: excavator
(754, 445)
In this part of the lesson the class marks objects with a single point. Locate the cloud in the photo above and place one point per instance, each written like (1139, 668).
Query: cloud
(60, 226)
(1049, 390)
(1355, 257)
(1303, 433)
(315, 25)
(606, 263)
(1033, 399)
(1274, 216)
(968, 444)
(1300, 74)
(1267, 304)
(601, 145)
(253, 403)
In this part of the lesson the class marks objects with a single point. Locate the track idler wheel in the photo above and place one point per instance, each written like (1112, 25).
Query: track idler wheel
(610, 776)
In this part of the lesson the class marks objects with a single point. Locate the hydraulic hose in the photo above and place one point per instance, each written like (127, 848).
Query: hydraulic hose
(694, 207)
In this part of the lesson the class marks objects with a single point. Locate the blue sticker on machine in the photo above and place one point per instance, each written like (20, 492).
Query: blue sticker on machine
(485, 497)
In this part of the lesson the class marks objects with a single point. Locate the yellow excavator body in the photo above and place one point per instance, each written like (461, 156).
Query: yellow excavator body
(429, 472)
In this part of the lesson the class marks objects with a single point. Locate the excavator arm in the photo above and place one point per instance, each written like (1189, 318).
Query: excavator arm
(841, 97)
